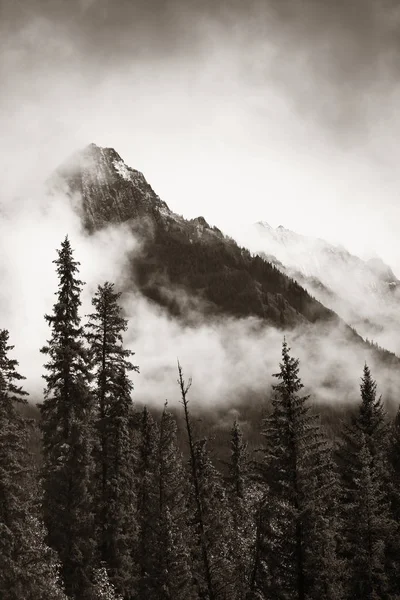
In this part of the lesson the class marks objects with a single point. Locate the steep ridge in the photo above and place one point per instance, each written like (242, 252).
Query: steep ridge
(366, 294)
(203, 267)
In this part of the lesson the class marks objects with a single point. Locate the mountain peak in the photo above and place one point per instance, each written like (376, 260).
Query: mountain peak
(98, 152)
(111, 191)
(263, 225)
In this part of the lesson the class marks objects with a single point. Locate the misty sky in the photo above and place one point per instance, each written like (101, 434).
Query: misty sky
(278, 110)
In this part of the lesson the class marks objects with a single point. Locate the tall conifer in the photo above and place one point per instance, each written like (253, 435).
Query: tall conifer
(115, 483)
(294, 457)
(147, 499)
(28, 568)
(66, 419)
(212, 559)
(174, 577)
(365, 503)
(242, 503)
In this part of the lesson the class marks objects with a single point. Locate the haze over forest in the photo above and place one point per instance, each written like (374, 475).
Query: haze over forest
(284, 112)
(199, 300)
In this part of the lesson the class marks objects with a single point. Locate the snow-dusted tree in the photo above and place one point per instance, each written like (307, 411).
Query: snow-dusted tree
(114, 477)
(66, 416)
(28, 568)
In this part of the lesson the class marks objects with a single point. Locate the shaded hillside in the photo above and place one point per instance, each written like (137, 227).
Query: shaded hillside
(189, 257)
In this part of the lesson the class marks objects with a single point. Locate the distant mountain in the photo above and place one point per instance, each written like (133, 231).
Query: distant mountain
(193, 270)
(190, 253)
(366, 294)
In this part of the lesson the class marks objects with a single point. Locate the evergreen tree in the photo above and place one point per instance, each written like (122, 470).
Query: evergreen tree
(394, 462)
(217, 530)
(212, 563)
(28, 568)
(66, 416)
(323, 520)
(103, 588)
(174, 577)
(145, 554)
(241, 500)
(367, 529)
(295, 456)
(364, 480)
(394, 498)
(371, 418)
(115, 484)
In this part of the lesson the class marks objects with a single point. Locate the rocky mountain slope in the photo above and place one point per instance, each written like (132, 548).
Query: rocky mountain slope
(187, 266)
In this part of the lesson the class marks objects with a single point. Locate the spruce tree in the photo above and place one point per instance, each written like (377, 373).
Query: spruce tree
(66, 416)
(364, 483)
(368, 526)
(393, 550)
(28, 568)
(241, 500)
(145, 554)
(173, 569)
(114, 463)
(294, 457)
(218, 526)
(212, 563)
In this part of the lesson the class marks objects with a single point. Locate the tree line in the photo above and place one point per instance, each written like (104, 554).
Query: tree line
(114, 511)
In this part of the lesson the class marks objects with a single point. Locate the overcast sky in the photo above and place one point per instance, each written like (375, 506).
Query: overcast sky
(279, 110)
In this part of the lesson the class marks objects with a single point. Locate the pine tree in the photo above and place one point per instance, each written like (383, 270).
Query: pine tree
(28, 568)
(115, 484)
(394, 461)
(367, 529)
(241, 499)
(294, 456)
(323, 565)
(217, 526)
(364, 481)
(174, 577)
(371, 418)
(394, 498)
(103, 588)
(66, 416)
(211, 553)
(147, 497)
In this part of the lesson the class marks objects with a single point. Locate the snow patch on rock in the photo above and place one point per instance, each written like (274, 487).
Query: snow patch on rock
(122, 170)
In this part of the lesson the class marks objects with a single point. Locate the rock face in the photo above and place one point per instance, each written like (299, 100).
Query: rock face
(111, 191)
(187, 266)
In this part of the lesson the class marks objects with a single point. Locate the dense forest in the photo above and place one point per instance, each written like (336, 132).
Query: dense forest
(114, 509)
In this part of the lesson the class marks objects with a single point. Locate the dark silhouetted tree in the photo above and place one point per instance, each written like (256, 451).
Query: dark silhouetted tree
(66, 423)
(212, 556)
(242, 505)
(114, 461)
(174, 577)
(393, 554)
(145, 551)
(365, 503)
(28, 568)
(295, 457)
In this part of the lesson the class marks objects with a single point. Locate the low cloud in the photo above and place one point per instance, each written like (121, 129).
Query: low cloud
(230, 360)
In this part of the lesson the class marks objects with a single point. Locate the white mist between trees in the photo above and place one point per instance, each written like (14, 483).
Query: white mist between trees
(228, 358)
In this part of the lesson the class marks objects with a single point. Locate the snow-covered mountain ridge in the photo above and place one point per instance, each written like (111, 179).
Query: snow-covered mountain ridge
(366, 294)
